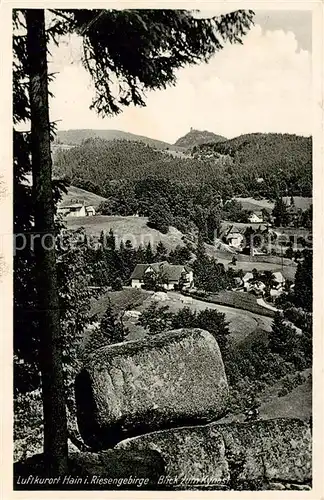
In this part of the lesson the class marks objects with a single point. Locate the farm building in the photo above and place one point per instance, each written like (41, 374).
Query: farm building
(76, 210)
(280, 283)
(258, 286)
(167, 275)
(90, 210)
(234, 237)
(255, 217)
(251, 285)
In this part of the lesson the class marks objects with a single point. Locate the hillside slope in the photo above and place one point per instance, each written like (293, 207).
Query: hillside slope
(99, 161)
(196, 137)
(134, 229)
(78, 195)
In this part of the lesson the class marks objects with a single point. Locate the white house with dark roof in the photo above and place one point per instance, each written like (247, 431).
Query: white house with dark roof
(170, 275)
(234, 237)
(76, 209)
(255, 217)
(73, 210)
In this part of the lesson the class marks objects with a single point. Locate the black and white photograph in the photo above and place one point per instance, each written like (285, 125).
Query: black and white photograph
(162, 248)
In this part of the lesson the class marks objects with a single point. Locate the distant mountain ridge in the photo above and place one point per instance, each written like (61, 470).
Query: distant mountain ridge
(74, 137)
(77, 136)
(197, 137)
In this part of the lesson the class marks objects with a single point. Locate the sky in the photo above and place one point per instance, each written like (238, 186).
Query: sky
(263, 85)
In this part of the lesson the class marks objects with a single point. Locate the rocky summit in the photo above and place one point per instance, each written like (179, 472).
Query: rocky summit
(166, 381)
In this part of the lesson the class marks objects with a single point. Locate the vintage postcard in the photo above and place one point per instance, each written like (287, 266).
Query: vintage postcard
(160, 244)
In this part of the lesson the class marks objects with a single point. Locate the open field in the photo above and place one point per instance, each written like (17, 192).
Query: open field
(270, 259)
(300, 201)
(75, 194)
(134, 229)
(258, 205)
(128, 298)
(295, 404)
(252, 204)
(241, 323)
(288, 270)
(239, 300)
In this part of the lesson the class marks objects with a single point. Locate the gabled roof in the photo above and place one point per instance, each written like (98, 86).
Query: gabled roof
(173, 272)
(75, 205)
(233, 233)
(170, 271)
(279, 277)
(140, 269)
(258, 213)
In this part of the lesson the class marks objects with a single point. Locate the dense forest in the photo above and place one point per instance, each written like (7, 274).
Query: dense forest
(265, 164)
(258, 165)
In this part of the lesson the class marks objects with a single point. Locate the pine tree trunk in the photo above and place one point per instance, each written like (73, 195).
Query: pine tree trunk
(50, 354)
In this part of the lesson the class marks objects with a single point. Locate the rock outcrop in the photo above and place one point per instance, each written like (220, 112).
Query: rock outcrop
(270, 454)
(169, 380)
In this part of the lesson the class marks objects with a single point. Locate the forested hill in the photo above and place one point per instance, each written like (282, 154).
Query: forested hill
(282, 159)
(251, 165)
(77, 136)
(196, 137)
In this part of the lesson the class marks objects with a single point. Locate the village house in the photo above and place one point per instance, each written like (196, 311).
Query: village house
(250, 285)
(234, 237)
(255, 217)
(90, 210)
(258, 286)
(280, 284)
(76, 210)
(170, 276)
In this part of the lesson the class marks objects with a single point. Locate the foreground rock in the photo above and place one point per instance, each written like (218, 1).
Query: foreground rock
(169, 380)
(270, 454)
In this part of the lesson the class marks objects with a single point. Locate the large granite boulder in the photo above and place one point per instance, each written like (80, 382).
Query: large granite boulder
(269, 454)
(168, 380)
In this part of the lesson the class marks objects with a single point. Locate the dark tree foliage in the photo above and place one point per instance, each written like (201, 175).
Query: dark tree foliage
(210, 275)
(160, 219)
(144, 48)
(233, 211)
(157, 319)
(280, 335)
(282, 161)
(161, 252)
(280, 213)
(303, 291)
(111, 328)
(180, 255)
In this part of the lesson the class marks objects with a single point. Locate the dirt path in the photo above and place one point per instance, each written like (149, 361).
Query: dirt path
(241, 322)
